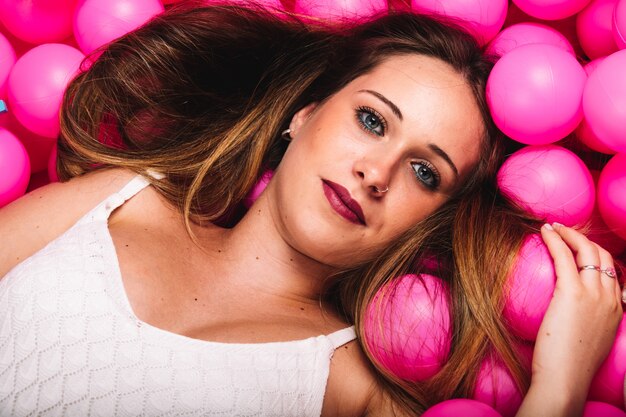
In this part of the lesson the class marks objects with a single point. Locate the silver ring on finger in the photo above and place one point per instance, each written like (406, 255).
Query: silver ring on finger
(609, 272)
(592, 267)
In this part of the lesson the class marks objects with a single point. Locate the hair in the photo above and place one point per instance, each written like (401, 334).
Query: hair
(201, 94)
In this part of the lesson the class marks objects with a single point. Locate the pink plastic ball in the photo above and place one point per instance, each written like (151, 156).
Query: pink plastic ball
(258, 188)
(612, 194)
(407, 326)
(530, 287)
(38, 21)
(37, 147)
(98, 22)
(495, 385)
(608, 383)
(583, 132)
(7, 60)
(599, 232)
(340, 10)
(37, 83)
(598, 409)
(551, 9)
(550, 182)
(527, 33)
(461, 407)
(534, 93)
(619, 24)
(604, 101)
(594, 26)
(483, 18)
(268, 4)
(14, 168)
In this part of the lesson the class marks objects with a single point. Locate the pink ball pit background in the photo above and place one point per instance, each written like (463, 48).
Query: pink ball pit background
(604, 101)
(461, 407)
(36, 85)
(530, 288)
(38, 21)
(534, 93)
(98, 22)
(527, 33)
(495, 385)
(484, 18)
(619, 24)
(14, 167)
(407, 326)
(594, 26)
(551, 182)
(612, 194)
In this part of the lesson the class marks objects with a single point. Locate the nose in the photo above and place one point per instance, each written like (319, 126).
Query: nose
(375, 173)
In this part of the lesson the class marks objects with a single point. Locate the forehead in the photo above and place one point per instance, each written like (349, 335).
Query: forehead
(437, 103)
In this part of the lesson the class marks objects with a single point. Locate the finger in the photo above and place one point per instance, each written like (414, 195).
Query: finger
(564, 264)
(608, 277)
(586, 253)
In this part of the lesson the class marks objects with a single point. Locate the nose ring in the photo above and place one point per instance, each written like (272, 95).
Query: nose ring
(381, 191)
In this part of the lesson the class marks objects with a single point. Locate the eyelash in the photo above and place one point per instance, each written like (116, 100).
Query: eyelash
(365, 109)
(433, 170)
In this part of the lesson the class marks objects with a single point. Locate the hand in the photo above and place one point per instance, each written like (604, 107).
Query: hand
(579, 327)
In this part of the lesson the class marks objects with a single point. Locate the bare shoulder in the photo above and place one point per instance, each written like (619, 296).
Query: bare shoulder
(38, 217)
(353, 388)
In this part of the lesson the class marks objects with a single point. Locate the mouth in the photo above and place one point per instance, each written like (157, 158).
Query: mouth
(341, 201)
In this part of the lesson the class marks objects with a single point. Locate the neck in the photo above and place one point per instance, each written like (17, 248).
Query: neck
(255, 256)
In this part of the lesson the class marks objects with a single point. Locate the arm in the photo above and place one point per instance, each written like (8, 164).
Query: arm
(578, 329)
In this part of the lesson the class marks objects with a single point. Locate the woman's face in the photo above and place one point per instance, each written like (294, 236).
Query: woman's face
(411, 126)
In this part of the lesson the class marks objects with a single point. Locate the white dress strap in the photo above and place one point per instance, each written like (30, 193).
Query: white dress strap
(115, 200)
(341, 337)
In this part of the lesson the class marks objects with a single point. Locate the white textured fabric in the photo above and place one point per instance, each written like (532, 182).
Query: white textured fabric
(70, 345)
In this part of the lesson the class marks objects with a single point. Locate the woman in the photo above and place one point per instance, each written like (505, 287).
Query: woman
(169, 300)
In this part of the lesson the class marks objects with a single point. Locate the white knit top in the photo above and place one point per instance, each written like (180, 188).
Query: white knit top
(70, 345)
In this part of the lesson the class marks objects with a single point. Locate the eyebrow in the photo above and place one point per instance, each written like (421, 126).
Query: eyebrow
(431, 146)
(445, 157)
(385, 100)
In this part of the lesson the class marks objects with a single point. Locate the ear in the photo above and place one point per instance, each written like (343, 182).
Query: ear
(300, 117)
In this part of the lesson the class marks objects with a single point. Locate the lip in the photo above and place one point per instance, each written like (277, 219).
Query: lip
(341, 201)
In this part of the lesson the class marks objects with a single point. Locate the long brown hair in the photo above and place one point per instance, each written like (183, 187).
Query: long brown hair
(202, 94)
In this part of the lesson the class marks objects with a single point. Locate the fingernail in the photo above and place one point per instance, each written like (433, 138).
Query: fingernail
(556, 225)
(547, 226)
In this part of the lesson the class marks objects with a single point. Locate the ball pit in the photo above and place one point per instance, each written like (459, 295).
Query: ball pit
(619, 24)
(461, 407)
(484, 18)
(608, 383)
(98, 22)
(7, 60)
(551, 9)
(530, 287)
(612, 194)
(495, 385)
(14, 168)
(560, 36)
(594, 26)
(341, 10)
(407, 326)
(549, 181)
(527, 33)
(604, 101)
(598, 409)
(534, 93)
(38, 21)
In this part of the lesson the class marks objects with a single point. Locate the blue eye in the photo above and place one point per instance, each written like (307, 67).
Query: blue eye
(427, 174)
(371, 121)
